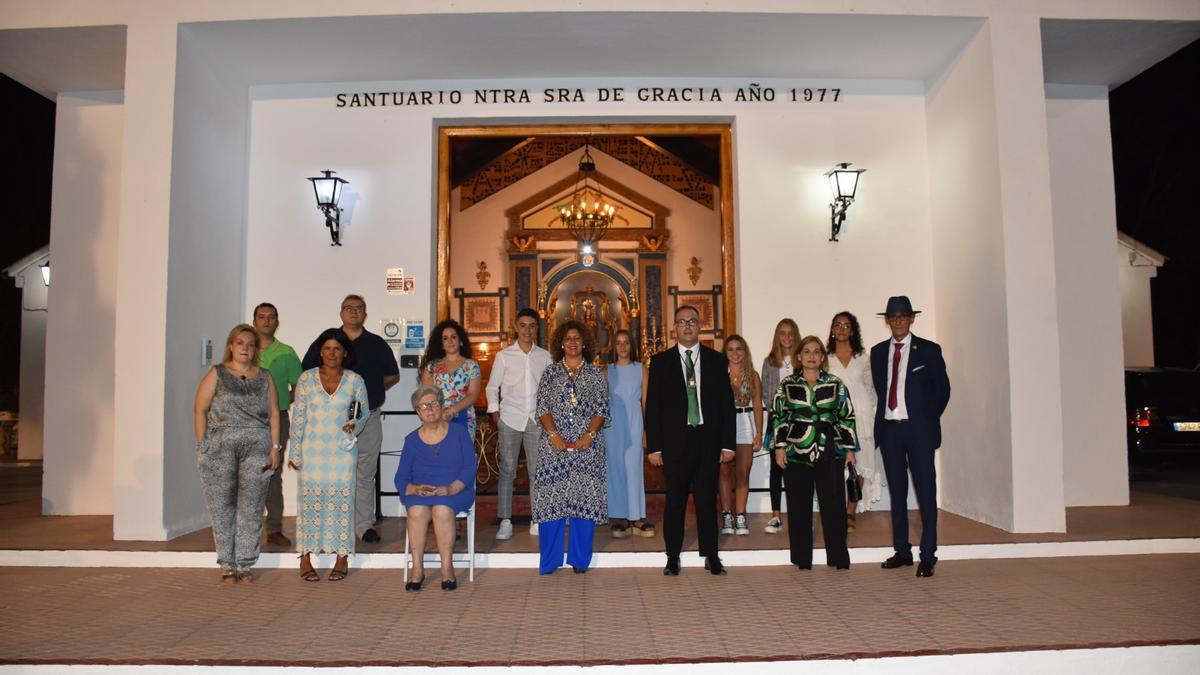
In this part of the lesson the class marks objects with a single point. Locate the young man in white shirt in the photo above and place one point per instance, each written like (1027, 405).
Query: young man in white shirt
(512, 403)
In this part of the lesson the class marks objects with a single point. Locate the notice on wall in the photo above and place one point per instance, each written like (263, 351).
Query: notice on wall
(392, 331)
(414, 334)
(397, 283)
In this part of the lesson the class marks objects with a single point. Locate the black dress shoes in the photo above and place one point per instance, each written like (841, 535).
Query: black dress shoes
(925, 569)
(371, 536)
(579, 570)
(713, 564)
(895, 561)
(449, 584)
(672, 568)
(414, 585)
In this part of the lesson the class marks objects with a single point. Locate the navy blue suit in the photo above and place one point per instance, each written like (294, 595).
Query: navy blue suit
(911, 444)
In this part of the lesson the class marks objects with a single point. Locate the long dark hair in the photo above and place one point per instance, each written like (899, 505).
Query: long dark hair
(856, 344)
(633, 346)
(435, 351)
(589, 343)
(342, 339)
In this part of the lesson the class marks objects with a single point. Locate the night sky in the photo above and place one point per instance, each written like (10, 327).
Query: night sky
(1156, 146)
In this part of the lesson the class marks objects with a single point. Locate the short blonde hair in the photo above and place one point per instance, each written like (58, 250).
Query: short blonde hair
(238, 330)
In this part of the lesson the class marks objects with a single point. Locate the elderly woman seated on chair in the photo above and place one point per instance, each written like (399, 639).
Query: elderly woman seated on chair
(436, 480)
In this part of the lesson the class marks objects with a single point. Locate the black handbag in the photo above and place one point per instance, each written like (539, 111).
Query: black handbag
(853, 488)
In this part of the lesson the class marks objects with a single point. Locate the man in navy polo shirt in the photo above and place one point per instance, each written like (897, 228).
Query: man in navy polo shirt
(376, 364)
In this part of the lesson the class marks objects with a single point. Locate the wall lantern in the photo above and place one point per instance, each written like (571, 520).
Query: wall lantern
(45, 267)
(328, 189)
(843, 182)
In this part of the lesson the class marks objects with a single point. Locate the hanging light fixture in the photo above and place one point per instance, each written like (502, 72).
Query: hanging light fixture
(328, 189)
(843, 183)
(588, 215)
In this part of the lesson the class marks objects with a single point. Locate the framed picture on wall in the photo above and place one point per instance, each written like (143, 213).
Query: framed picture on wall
(481, 314)
(708, 303)
(703, 303)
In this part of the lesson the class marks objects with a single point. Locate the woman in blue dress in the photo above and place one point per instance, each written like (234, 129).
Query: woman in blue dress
(572, 406)
(436, 480)
(623, 442)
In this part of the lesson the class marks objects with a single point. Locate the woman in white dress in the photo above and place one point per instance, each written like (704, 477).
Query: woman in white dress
(852, 364)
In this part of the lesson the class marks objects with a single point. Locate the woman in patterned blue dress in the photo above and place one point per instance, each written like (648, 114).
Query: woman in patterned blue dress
(572, 406)
(320, 448)
(447, 363)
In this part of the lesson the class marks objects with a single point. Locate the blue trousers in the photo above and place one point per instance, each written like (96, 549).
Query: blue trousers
(902, 452)
(579, 548)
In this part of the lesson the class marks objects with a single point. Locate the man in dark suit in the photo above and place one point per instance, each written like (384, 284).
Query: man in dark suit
(913, 390)
(690, 430)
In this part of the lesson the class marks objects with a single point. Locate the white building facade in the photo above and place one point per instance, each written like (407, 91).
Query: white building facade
(190, 129)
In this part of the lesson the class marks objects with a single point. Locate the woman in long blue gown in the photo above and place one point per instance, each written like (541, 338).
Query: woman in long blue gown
(623, 442)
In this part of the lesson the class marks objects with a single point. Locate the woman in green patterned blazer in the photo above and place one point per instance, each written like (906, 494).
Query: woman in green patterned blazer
(813, 438)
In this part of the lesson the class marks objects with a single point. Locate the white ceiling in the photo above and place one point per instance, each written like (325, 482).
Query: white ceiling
(611, 44)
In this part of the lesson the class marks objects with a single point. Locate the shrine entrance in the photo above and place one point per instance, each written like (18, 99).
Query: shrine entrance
(502, 246)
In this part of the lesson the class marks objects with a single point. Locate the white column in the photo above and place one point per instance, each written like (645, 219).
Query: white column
(1029, 266)
(141, 261)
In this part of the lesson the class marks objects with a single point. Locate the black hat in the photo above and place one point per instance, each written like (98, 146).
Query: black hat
(898, 305)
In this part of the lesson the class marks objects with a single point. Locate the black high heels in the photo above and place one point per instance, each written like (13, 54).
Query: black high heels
(449, 584)
(414, 585)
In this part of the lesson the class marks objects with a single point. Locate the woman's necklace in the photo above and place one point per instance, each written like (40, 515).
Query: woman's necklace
(240, 373)
(572, 374)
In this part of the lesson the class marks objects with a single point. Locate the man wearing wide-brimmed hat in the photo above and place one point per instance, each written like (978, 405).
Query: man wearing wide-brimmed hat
(913, 390)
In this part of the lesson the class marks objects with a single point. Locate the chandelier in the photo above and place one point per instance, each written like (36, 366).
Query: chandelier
(588, 215)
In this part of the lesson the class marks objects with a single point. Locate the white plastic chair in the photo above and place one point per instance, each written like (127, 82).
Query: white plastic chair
(469, 516)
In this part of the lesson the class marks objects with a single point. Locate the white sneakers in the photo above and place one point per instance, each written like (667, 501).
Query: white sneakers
(740, 524)
(533, 532)
(505, 531)
(726, 522)
(774, 525)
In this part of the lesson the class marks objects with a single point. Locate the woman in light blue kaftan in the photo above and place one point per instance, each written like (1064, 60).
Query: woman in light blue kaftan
(325, 499)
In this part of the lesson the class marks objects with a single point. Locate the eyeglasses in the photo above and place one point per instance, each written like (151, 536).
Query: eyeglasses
(841, 324)
(354, 308)
(429, 406)
(687, 323)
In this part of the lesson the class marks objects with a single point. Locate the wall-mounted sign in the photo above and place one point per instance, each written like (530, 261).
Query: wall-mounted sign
(397, 283)
(414, 334)
(752, 92)
(392, 330)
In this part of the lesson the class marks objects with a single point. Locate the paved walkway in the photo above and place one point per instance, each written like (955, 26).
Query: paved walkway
(76, 615)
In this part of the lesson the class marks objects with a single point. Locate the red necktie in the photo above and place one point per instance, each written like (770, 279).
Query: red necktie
(892, 402)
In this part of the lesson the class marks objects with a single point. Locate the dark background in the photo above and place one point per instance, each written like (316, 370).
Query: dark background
(1155, 153)
(1155, 144)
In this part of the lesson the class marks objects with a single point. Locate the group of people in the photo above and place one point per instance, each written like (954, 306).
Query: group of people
(584, 433)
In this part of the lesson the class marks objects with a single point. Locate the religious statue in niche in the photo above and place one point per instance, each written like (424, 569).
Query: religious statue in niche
(591, 308)
(695, 270)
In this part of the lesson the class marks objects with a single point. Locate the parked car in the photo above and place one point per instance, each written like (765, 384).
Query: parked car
(1163, 412)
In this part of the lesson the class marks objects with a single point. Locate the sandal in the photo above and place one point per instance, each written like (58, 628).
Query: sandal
(229, 577)
(245, 577)
(307, 572)
(851, 521)
(643, 529)
(337, 574)
(619, 531)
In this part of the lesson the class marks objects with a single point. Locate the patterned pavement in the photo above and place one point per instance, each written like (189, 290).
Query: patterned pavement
(106, 615)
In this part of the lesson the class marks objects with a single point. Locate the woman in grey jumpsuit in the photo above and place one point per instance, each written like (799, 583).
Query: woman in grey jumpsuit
(237, 450)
